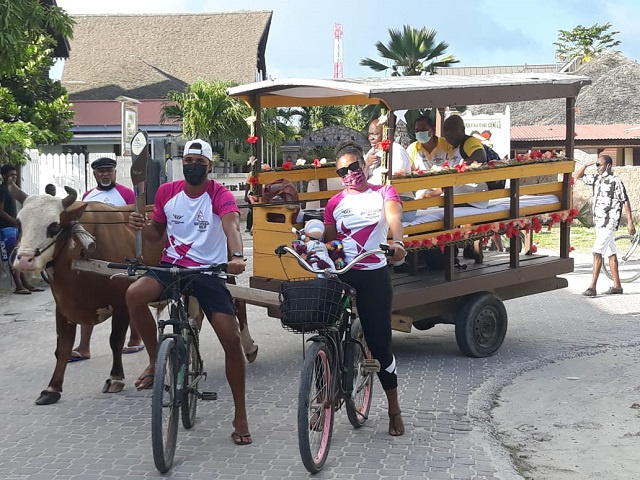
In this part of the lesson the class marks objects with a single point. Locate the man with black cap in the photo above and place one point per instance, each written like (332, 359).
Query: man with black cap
(108, 191)
(116, 195)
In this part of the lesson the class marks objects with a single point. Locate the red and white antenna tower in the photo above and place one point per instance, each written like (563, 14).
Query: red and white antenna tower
(337, 51)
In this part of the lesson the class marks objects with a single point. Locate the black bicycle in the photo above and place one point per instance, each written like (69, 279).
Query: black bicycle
(338, 367)
(179, 366)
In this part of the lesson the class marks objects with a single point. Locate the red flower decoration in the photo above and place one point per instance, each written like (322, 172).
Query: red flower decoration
(492, 163)
(252, 139)
(537, 154)
(316, 163)
(573, 181)
(253, 180)
(534, 248)
(461, 167)
(574, 211)
(287, 165)
(445, 164)
(520, 158)
(428, 243)
(385, 145)
(571, 249)
(415, 243)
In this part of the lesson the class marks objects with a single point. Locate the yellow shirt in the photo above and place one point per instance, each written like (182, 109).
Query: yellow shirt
(421, 159)
(471, 145)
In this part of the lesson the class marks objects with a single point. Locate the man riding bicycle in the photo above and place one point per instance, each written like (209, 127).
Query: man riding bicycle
(201, 220)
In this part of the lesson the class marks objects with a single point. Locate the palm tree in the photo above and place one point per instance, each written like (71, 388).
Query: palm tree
(411, 52)
(207, 112)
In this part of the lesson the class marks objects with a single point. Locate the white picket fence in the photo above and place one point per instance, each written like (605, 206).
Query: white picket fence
(71, 170)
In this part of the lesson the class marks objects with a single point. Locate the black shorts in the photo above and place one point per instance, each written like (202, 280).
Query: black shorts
(210, 290)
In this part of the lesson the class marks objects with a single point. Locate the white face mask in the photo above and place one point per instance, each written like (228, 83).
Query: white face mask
(423, 137)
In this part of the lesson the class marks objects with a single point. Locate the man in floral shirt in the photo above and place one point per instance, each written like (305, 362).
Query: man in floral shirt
(609, 198)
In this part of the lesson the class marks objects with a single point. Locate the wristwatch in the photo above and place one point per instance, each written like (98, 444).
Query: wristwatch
(238, 255)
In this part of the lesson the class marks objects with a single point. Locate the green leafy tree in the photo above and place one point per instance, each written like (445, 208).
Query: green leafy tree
(314, 118)
(25, 23)
(585, 42)
(34, 109)
(411, 52)
(207, 112)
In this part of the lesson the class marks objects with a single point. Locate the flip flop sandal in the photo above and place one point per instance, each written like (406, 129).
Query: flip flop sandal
(140, 383)
(36, 289)
(77, 357)
(132, 349)
(244, 439)
(392, 425)
(24, 291)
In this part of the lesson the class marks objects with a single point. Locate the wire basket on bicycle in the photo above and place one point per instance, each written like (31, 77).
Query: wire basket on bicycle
(313, 304)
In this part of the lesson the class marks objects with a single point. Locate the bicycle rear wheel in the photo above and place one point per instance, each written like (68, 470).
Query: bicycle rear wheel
(628, 259)
(164, 406)
(360, 381)
(315, 407)
(192, 372)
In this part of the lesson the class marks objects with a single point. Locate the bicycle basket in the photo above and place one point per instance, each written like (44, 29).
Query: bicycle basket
(308, 305)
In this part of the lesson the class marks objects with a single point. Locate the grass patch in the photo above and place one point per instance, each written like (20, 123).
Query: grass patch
(582, 237)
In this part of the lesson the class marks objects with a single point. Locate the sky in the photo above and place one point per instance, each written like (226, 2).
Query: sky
(479, 32)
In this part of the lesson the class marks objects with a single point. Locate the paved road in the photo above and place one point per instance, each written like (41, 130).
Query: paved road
(446, 399)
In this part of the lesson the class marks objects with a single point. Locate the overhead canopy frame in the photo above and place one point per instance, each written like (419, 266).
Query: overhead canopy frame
(399, 93)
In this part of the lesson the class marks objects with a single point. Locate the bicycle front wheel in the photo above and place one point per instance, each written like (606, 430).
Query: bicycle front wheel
(360, 381)
(315, 407)
(165, 406)
(628, 259)
(193, 370)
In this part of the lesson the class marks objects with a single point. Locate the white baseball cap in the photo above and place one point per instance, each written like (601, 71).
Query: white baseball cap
(197, 147)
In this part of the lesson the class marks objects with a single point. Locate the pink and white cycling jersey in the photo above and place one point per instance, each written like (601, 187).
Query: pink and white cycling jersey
(116, 196)
(194, 225)
(361, 222)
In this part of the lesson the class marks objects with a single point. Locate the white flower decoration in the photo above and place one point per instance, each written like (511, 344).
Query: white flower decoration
(323, 161)
(252, 160)
(382, 120)
(250, 120)
(300, 161)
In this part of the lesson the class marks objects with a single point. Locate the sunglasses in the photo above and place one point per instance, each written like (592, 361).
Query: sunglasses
(353, 167)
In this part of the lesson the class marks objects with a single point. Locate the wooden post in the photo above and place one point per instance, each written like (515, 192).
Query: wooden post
(258, 133)
(449, 252)
(391, 133)
(565, 201)
(514, 212)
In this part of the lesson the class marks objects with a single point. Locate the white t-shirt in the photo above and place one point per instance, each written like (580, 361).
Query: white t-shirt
(401, 161)
(116, 196)
(194, 225)
(361, 222)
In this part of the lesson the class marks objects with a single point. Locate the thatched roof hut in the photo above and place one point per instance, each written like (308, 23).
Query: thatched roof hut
(612, 98)
(146, 56)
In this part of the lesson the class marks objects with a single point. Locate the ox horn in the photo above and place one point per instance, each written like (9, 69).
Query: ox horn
(70, 198)
(16, 192)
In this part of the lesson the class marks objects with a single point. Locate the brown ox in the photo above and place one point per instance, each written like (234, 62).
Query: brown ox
(47, 242)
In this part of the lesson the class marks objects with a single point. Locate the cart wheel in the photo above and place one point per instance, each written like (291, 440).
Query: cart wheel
(481, 325)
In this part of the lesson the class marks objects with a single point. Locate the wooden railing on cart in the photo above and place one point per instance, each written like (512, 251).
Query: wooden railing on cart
(273, 224)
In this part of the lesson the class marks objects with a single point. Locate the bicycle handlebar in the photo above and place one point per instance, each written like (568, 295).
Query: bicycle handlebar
(384, 249)
(133, 267)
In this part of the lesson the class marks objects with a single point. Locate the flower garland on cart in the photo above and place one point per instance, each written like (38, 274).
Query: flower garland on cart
(510, 228)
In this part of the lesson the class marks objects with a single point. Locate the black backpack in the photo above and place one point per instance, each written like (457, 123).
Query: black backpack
(491, 155)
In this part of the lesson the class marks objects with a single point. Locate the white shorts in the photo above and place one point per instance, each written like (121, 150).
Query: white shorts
(605, 243)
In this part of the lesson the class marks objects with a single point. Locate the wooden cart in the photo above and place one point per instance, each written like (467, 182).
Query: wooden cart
(471, 299)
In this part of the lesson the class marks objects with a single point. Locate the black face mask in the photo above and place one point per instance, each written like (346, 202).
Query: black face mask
(195, 173)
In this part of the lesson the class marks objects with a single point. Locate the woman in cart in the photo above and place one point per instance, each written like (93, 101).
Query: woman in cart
(361, 216)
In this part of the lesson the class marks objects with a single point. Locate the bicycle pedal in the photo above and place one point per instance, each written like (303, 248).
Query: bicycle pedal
(208, 396)
(370, 365)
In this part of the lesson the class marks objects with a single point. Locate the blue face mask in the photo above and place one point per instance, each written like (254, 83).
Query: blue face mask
(423, 137)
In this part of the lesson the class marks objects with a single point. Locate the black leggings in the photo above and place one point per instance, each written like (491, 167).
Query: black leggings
(373, 301)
